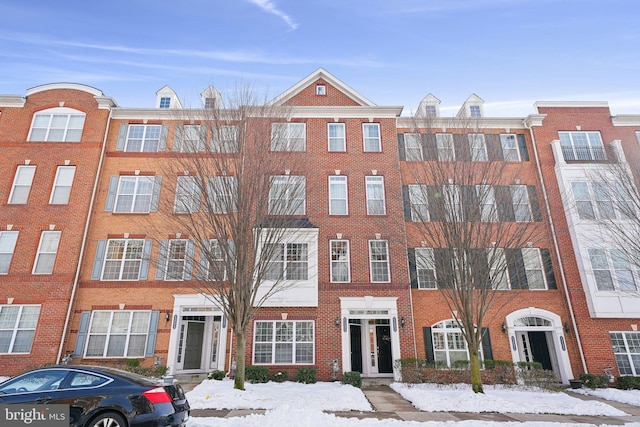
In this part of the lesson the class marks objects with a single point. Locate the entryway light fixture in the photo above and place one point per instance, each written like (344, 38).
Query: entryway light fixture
(504, 328)
(402, 323)
(337, 322)
(167, 316)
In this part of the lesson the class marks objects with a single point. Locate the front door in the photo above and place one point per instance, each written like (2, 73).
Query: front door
(355, 333)
(383, 341)
(193, 345)
(540, 349)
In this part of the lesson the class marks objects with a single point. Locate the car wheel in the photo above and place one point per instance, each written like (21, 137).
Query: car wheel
(108, 419)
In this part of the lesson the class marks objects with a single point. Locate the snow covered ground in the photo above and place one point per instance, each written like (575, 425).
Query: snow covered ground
(302, 405)
(631, 397)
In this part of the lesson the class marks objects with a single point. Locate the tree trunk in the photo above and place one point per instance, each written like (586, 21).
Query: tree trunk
(476, 379)
(240, 360)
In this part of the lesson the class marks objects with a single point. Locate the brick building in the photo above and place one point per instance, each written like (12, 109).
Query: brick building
(51, 141)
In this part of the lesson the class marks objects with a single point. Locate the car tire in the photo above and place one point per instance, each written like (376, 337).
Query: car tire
(108, 419)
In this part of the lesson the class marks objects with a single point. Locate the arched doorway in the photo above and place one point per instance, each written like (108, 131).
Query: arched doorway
(536, 335)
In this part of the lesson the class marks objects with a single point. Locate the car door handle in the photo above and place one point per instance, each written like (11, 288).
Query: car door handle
(43, 399)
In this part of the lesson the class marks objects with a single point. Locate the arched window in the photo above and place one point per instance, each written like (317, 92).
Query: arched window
(532, 321)
(449, 344)
(59, 124)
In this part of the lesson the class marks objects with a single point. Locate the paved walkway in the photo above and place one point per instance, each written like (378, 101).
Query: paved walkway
(390, 405)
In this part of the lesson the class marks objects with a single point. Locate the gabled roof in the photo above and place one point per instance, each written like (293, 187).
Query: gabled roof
(320, 73)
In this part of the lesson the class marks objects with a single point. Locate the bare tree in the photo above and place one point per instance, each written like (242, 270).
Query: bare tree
(470, 221)
(239, 192)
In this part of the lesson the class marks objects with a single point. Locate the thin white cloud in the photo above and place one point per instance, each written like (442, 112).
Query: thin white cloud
(270, 7)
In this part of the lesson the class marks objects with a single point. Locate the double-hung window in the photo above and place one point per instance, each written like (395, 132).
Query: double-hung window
(62, 185)
(190, 138)
(477, 147)
(521, 205)
(375, 195)
(288, 136)
(123, 259)
(582, 198)
(121, 333)
(602, 200)
(487, 200)
(8, 241)
(425, 268)
(449, 344)
(445, 148)
(176, 258)
(283, 342)
(626, 347)
(21, 185)
(143, 138)
(223, 194)
(57, 125)
(379, 261)
(371, 137)
(17, 327)
(216, 265)
(134, 194)
(612, 270)
(582, 146)
(534, 268)
(287, 195)
(338, 202)
(187, 197)
(225, 139)
(287, 261)
(452, 199)
(337, 138)
(498, 270)
(510, 150)
(47, 250)
(340, 265)
(413, 147)
(418, 201)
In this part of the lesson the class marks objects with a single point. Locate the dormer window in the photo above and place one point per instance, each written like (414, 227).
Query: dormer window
(474, 111)
(321, 90)
(430, 111)
(209, 103)
(165, 102)
(57, 125)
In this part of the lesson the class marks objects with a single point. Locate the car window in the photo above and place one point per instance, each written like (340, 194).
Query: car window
(84, 379)
(34, 381)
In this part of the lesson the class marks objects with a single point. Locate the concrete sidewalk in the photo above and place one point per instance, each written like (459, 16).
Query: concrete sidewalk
(390, 405)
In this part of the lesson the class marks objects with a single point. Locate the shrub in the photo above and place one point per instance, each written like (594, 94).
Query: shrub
(216, 375)
(531, 374)
(352, 378)
(306, 375)
(498, 372)
(461, 364)
(280, 376)
(593, 381)
(628, 382)
(411, 369)
(132, 363)
(256, 374)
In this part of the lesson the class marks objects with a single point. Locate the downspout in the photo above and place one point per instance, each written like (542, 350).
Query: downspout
(84, 237)
(556, 247)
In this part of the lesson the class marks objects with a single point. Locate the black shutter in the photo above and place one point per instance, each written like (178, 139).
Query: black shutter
(505, 203)
(517, 273)
(486, 345)
(494, 148)
(522, 145)
(470, 203)
(444, 269)
(434, 202)
(548, 269)
(413, 274)
(428, 344)
(406, 202)
(461, 147)
(479, 264)
(401, 151)
(428, 147)
(533, 202)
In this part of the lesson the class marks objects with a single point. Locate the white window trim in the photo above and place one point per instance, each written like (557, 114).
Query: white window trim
(211, 251)
(284, 141)
(16, 326)
(611, 268)
(415, 140)
(425, 261)
(57, 186)
(343, 138)
(587, 152)
(135, 194)
(171, 242)
(366, 138)
(347, 261)
(13, 242)
(143, 139)
(523, 201)
(41, 252)
(110, 332)
(293, 186)
(419, 190)
(274, 342)
(376, 180)
(385, 262)
(480, 140)
(627, 354)
(122, 261)
(31, 168)
(57, 111)
(186, 198)
(436, 328)
(515, 148)
(445, 143)
(343, 181)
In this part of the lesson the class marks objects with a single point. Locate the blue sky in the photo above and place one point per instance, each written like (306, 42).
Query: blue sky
(511, 53)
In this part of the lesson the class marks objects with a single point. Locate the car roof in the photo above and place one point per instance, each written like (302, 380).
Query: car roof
(105, 370)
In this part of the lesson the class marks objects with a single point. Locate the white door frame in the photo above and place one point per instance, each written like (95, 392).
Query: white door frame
(197, 305)
(366, 308)
(557, 345)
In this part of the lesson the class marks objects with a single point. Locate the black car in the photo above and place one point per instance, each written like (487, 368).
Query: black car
(100, 396)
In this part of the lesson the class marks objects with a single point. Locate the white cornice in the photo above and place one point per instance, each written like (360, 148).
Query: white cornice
(456, 123)
(345, 112)
(75, 86)
(626, 120)
(572, 104)
(12, 101)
